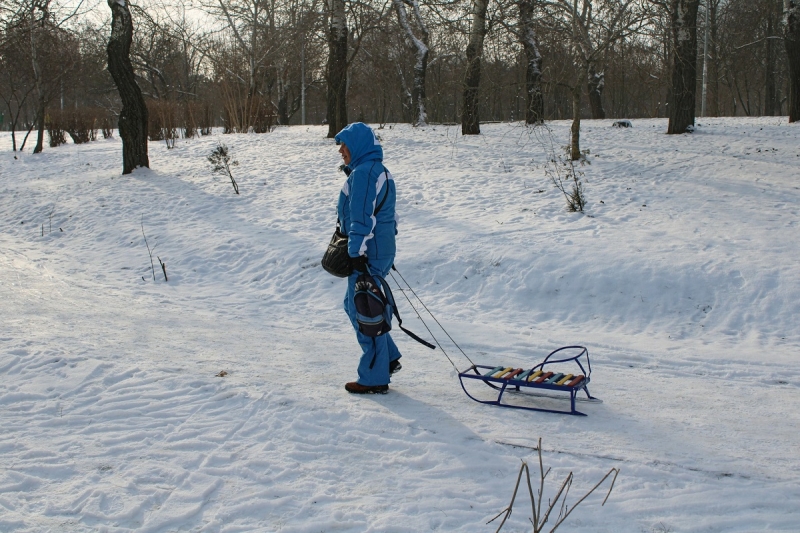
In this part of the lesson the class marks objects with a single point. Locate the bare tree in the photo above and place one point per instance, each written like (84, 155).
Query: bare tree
(791, 39)
(168, 52)
(593, 26)
(133, 117)
(470, 120)
(772, 15)
(52, 52)
(524, 31)
(247, 21)
(365, 18)
(337, 67)
(534, 108)
(449, 62)
(419, 44)
(251, 25)
(296, 53)
(16, 78)
(37, 21)
(684, 65)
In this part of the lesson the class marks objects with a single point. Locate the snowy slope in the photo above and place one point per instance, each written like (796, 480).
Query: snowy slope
(681, 279)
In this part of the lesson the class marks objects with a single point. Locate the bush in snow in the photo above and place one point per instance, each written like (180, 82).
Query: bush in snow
(221, 161)
(561, 168)
(197, 118)
(55, 128)
(106, 126)
(566, 178)
(163, 121)
(81, 124)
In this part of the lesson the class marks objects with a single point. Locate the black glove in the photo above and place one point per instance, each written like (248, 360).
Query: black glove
(360, 263)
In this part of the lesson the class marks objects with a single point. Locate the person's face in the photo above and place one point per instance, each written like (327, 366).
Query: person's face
(345, 153)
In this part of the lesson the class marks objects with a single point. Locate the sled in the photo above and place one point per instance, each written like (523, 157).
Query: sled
(542, 380)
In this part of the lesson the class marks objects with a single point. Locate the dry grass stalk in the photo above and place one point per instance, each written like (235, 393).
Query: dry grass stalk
(538, 520)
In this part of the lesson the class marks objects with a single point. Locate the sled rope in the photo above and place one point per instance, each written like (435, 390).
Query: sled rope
(421, 320)
(432, 316)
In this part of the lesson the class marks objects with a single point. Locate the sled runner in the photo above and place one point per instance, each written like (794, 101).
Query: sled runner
(538, 381)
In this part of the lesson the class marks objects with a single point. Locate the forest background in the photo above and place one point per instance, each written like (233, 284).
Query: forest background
(249, 65)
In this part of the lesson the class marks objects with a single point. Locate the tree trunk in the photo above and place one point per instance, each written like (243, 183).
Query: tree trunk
(575, 141)
(283, 99)
(37, 77)
(420, 47)
(684, 65)
(713, 64)
(406, 96)
(418, 93)
(791, 38)
(470, 123)
(133, 117)
(40, 126)
(770, 87)
(534, 105)
(596, 83)
(337, 68)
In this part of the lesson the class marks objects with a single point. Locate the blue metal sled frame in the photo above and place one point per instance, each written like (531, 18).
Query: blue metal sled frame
(516, 385)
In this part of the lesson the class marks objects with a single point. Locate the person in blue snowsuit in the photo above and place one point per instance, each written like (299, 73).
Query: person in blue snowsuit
(371, 243)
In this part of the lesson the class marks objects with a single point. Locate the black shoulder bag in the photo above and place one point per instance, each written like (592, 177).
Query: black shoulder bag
(336, 260)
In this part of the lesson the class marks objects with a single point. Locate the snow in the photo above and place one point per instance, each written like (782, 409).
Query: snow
(681, 279)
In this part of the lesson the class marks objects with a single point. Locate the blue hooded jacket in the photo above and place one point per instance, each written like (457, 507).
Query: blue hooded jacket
(368, 183)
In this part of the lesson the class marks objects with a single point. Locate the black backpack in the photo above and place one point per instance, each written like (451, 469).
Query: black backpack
(374, 308)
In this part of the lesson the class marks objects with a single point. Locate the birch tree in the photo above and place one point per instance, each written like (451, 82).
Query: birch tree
(52, 53)
(419, 44)
(525, 32)
(534, 103)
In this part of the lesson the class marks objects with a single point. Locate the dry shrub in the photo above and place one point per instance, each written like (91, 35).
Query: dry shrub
(263, 118)
(107, 126)
(197, 117)
(56, 130)
(207, 121)
(245, 113)
(163, 121)
(254, 116)
(154, 129)
(80, 124)
(542, 513)
(189, 123)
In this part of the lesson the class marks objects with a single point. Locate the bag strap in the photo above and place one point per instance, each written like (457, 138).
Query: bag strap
(390, 299)
(385, 196)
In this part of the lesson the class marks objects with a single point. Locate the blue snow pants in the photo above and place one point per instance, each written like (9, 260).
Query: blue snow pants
(373, 368)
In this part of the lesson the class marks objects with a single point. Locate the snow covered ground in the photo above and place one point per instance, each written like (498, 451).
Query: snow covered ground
(682, 279)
